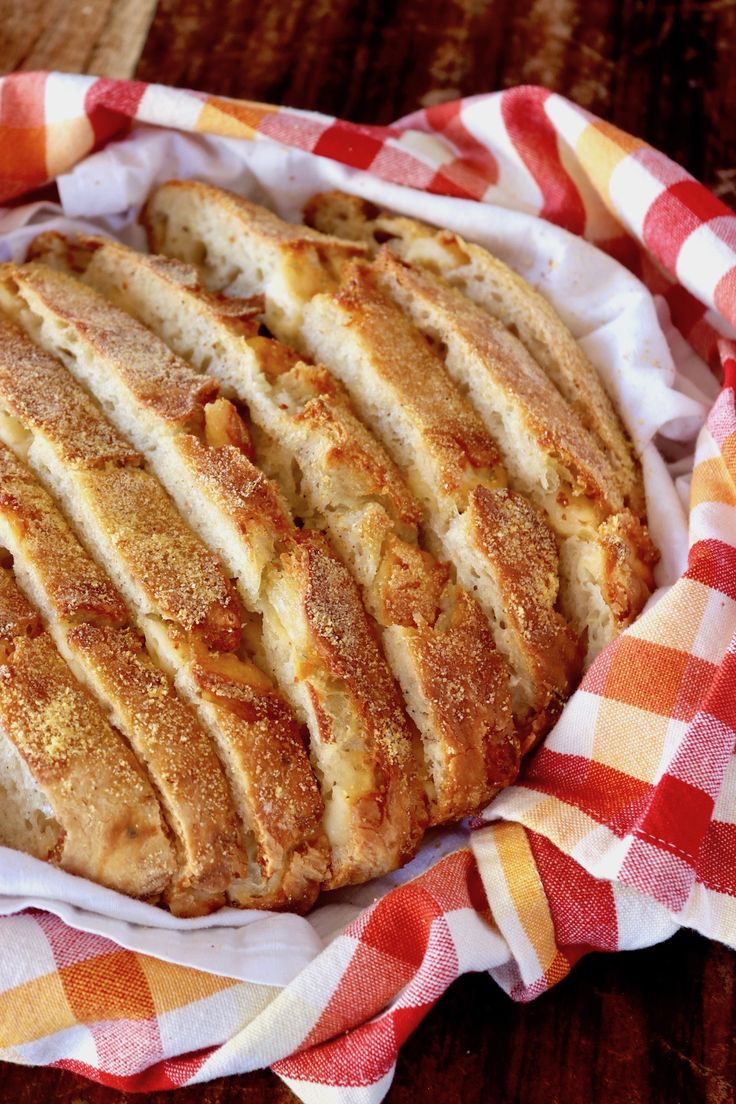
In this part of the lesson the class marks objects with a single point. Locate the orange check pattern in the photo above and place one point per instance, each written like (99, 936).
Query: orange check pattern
(623, 826)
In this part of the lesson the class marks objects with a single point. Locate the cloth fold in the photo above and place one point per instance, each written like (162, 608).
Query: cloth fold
(623, 825)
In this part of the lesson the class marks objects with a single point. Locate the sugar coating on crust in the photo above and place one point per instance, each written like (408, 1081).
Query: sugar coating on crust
(355, 488)
(549, 453)
(525, 549)
(243, 516)
(177, 753)
(89, 623)
(151, 371)
(46, 398)
(504, 368)
(450, 429)
(384, 362)
(418, 597)
(171, 566)
(74, 586)
(111, 827)
(183, 600)
(501, 292)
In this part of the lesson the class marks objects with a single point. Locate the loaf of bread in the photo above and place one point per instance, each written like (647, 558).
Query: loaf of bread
(88, 622)
(315, 529)
(502, 293)
(183, 602)
(315, 634)
(337, 477)
(472, 307)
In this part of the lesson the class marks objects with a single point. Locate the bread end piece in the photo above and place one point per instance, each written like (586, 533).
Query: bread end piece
(98, 816)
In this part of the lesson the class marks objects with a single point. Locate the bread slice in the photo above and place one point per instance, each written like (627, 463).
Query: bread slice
(435, 635)
(183, 602)
(70, 789)
(340, 685)
(205, 226)
(336, 476)
(502, 548)
(547, 451)
(504, 295)
(89, 624)
(399, 388)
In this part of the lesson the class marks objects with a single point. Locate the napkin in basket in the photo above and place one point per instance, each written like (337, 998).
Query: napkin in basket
(623, 826)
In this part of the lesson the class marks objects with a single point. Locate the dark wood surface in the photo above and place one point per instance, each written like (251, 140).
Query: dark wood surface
(655, 1026)
(663, 70)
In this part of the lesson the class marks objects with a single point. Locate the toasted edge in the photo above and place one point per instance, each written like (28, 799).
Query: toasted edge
(435, 636)
(399, 387)
(110, 827)
(89, 624)
(505, 295)
(237, 510)
(549, 454)
(131, 526)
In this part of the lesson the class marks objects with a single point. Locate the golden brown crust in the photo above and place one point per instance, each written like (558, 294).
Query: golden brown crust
(388, 818)
(180, 578)
(504, 294)
(17, 615)
(312, 407)
(545, 444)
(227, 492)
(450, 429)
(75, 587)
(343, 638)
(384, 347)
(322, 402)
(409, 584)
(467, 688)
(41, 394)
(74, 255)
(175, 580)
(179, 757)
(629, 557)
(286, 809)
(505, 361)
(153, 374)
(247, 498)
(517, 540)
(111, 821)
(323, 406)
(280, 777)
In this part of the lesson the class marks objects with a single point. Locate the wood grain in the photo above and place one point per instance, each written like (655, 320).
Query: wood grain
(649, 1027)
(662, 70)
(81, 36)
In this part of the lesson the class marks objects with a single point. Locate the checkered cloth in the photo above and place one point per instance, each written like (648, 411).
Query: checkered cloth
(624, 825)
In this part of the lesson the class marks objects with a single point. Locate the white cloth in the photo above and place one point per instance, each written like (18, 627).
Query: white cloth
(660, 386)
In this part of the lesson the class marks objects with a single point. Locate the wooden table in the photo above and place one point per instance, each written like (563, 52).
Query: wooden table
(652, 1026)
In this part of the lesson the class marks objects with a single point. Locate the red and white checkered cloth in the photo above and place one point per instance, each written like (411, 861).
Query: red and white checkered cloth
(624, 824)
